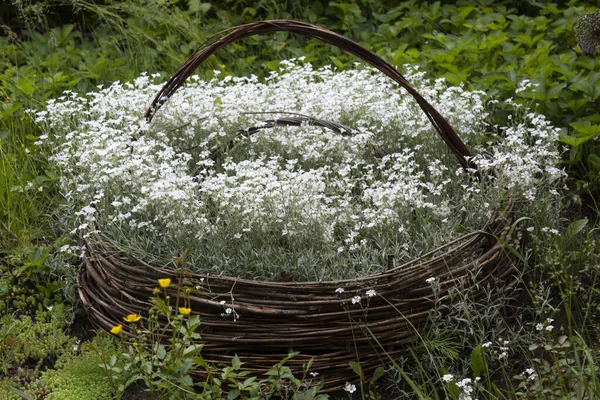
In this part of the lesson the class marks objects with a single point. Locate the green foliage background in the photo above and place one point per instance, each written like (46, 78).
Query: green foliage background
(50, 46)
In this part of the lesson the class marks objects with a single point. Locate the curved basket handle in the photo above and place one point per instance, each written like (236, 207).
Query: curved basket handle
(445, 130)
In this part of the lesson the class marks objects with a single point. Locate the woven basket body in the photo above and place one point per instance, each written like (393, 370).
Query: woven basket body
(273, 319)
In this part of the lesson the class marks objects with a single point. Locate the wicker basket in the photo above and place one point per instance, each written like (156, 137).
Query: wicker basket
(310, 317)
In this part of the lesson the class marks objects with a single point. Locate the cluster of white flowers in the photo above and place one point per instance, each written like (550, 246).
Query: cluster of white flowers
(530, 374)
(465, 385)
(545, 326)
(504, 347)
(297, 196)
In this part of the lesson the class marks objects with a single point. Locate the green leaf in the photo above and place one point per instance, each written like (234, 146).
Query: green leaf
(161, 352)
(236, 363)
(454, 390)
(574, 141)
(477, 361)
(248, 382)
(585, 128)
(192, 349)
(198, 7)
(575, 227)
(594, 159)
(357, 369)
(187, 380)
(379, 372)
(21, 393)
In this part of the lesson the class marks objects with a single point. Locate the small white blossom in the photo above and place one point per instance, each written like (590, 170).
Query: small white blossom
(430, 280)
(222, 302)
(228, 311)
(532, 377)
(356, 299)
(448, 378)
(486, 344)
(349, 388)
(339, 290)
(531, 374)
(539, 327)
(371, 293)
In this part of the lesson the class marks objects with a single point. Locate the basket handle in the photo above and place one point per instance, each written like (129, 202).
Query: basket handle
(444, 129)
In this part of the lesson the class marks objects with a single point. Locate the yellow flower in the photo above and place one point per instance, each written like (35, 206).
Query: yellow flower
(185, 311)
(165, 282)
(116, 329)
(132, 318)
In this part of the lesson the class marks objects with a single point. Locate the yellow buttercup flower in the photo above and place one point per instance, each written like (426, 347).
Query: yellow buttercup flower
(164, 283)
(116, 329)
(132, 318)
(185, 311)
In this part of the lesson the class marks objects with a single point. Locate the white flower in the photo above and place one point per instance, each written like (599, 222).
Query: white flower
(465, 382)
(228, 311)
(339, 290)
(430, 280)
(356, 299)
(532, 377)
(486, 344)
(371, 293)
(222, 302)
(549, 328)
(539, 326)
(448, 378)
(349, 388)
(313, 374)
(529, 371)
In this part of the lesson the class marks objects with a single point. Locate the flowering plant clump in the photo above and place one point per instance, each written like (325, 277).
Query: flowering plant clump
(304, 200)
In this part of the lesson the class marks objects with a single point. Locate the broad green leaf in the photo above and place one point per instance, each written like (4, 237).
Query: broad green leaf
(477, 361)
(575, 227)
(594, 159)
(379, 372)
(356, 368)
(236, 363)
